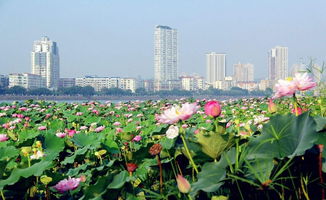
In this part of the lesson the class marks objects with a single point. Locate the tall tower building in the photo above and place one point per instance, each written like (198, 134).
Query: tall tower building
(45, 61)
(165, 58)
(215, 67)
(243, 72)
(278, 63)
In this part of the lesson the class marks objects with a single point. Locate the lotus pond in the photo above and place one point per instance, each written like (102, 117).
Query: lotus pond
(182, 149)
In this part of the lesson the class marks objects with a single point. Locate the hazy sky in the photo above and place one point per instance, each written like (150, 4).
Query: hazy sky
(115, 38)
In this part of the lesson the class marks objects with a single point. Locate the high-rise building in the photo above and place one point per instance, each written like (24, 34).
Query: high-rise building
(243, 72)
(215, 67)
(278, 63)
(165, 58)
(45, 61)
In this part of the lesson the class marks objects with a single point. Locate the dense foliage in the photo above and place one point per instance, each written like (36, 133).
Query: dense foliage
(89, 91)
(249, 149)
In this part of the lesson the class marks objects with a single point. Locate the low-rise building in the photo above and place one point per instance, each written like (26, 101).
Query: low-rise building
(128, 84)
(27, 80)
(4, 81)
(67, 82)
(98, 83)
(264, 84)
(250, 86)
(192, 82)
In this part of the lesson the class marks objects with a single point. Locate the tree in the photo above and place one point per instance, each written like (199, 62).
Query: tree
(115, 91)
(87, 91)
(141, 91)
(40, 91)
(17, 90)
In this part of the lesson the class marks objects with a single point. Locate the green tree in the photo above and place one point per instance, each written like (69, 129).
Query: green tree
(40, 91)
(87, 91)
(17, 90)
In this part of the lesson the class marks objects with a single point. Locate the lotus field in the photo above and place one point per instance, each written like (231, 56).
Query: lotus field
(254, 148)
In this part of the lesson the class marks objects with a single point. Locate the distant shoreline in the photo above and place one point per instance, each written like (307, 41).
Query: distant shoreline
(108, 98)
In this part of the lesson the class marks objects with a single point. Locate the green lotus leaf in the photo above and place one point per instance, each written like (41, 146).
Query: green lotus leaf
(284, 136)
(214, 144)
(119, 180)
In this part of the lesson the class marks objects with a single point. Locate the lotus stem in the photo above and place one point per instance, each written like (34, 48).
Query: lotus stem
(189, 155)
(320, 166)
(161, 173)
(29, 161)
(2, 195)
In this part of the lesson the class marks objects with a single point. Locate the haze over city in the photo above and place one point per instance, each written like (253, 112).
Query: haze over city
(115, 38)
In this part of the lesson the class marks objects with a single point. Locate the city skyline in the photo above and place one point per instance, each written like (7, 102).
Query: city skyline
(97, 42)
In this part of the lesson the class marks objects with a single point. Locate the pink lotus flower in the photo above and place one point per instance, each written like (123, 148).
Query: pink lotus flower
(71, 132)
(137, 138)
(67, 184)
(99, 129)
(22, 109)
(79, 113)
(42, 128)
(118, 130)
(285, 88)
(116, 124)
(3, 137)
(213, 108)
(303, 81)
(176, 113)
(184, 126)
(183, 184)
(61, 135)
(83, 127)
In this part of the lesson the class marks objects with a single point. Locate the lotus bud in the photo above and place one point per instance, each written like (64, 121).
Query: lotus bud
(26, 150)
(38, 144)
(183, 184)
(45, 179)
(131, 167)
(272, 108)
(213, 108)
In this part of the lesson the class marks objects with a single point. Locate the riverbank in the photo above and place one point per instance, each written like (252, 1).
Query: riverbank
(108, 97)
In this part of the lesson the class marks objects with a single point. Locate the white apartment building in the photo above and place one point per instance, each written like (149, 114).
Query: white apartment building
(128, 84)
(45, 61)
(243, 72)
(26, 80)
(250, 86)
(264, 84)
(278, 63)
(67, 82)
(98, 83)
(192, 83)
(215, 67)
(165, 58)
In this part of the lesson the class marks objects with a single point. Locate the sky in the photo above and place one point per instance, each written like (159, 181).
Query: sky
(116, 37)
